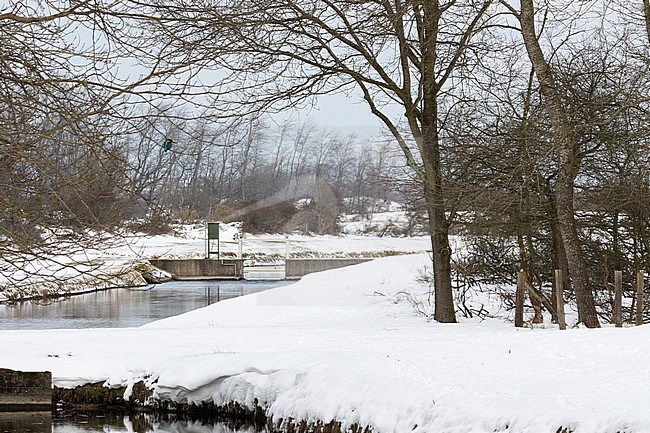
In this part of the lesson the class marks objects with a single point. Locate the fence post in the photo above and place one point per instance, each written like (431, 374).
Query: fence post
(618, 298)
(559, 298)
(639, 298)
(519, 299)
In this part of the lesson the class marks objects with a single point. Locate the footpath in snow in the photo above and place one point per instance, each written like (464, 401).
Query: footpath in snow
(346, 345)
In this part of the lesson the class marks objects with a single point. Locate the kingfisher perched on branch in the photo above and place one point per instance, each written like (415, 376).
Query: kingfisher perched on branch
(168, 144)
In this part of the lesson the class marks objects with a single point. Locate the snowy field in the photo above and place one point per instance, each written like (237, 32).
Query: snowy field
(347, 345)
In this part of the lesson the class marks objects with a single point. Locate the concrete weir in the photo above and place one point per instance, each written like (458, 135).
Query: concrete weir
(202, 269)
(298, 268)
(233, 269)
(25, 391)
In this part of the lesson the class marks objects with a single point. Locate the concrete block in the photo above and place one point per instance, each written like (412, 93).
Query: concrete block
(25, 390)
(201, 269)
(298, 268)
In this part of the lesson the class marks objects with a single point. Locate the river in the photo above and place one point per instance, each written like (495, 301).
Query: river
(123, 308)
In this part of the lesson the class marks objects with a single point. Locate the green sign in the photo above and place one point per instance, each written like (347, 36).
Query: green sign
(212, 239)
(213, 230)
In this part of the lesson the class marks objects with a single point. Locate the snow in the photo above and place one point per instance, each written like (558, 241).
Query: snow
(117, 261)
(343, 345)
(376, 222)
(189, 242)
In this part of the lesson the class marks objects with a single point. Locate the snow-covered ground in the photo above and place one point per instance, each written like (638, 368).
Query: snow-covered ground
(189, 241)
(346, 345)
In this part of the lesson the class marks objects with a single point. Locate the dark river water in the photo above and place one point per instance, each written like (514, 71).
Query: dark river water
(122, 308)
(44, 422)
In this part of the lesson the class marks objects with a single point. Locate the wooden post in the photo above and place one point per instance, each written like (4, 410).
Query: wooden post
(559, 293)
(639, 298)
(519, 299)
(618, 298)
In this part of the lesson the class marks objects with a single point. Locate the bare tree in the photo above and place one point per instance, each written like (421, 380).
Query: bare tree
(51, 141)
(64, 115)
(568, 162)
(629, 20)
(403, 53)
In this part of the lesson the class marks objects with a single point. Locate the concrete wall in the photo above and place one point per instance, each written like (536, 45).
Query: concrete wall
(202, 269)
(298, 268)
(25, 390)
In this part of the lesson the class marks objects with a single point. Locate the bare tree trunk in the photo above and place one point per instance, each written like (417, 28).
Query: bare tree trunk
(568, 165)
(444, 300)
(430, 151)
(245, 160)
(646, 13)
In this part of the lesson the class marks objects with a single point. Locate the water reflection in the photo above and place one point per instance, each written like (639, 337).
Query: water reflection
(120, 308)
(26, 422)
(143, 425)
(43, 422)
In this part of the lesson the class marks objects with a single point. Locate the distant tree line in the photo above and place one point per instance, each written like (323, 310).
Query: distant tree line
(256, 173)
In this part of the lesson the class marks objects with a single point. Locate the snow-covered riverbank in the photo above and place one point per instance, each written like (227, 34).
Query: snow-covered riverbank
(121, 261)
(347, 345)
